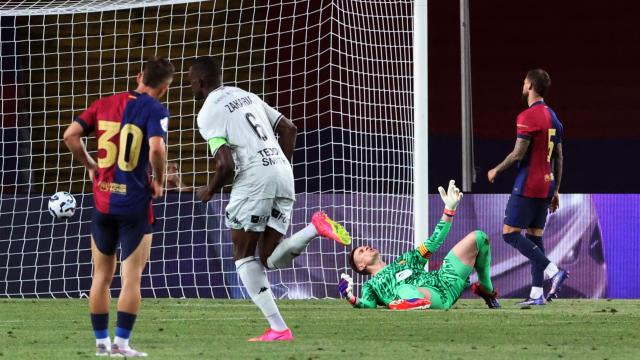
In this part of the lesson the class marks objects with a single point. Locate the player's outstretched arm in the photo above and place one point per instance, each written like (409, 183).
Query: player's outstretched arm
(73, 140)
(157, 159)
(518, 153)
(451, 199)
(225, 168)
(287, 132)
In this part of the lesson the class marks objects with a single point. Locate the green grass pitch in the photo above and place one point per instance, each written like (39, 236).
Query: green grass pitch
(331, 329)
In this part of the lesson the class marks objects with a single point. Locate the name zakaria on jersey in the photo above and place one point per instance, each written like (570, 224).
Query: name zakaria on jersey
(123, 124)
(247, 125)
(540, 125)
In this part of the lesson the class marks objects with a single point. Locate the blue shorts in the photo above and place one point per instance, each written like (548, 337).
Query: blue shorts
(108, 230)
(526, 213)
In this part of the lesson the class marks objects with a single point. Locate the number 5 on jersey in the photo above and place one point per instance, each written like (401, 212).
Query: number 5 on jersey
(128, 158)
(551, 144)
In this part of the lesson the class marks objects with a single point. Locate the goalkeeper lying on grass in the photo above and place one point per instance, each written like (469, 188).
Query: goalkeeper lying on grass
(405, 285)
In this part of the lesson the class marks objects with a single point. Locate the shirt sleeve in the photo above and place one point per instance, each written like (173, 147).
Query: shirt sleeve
(525, 127)
(273, 115)
(427, 248)
(158, 123)
(559, 133)
(368, 298)
(210, 124)
(88, 117)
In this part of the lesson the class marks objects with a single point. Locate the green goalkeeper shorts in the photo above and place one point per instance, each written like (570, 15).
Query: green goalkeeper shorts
(453, 278)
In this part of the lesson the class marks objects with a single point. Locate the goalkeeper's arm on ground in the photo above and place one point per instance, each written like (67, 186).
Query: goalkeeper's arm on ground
(367, 301)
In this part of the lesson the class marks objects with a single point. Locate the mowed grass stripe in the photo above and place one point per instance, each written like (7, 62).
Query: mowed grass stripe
(330, 329)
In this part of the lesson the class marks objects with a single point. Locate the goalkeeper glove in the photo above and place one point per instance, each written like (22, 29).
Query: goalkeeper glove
(345, 286)
(451, 198)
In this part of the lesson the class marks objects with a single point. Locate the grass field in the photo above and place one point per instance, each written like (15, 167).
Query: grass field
(330, 329)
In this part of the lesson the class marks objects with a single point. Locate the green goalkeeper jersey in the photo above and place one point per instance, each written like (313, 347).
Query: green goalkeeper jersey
(408, 269)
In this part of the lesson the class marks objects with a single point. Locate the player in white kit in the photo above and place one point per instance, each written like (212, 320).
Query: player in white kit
(254, 142)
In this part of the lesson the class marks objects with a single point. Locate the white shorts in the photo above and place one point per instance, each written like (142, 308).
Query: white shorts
(250, 214)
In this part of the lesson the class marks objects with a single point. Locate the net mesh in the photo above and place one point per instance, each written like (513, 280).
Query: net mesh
(341, 70)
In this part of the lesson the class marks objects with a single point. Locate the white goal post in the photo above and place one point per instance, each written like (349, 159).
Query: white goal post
(342, 70)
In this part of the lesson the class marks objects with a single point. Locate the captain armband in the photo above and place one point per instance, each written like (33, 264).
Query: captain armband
(215, 143)
(424, 252)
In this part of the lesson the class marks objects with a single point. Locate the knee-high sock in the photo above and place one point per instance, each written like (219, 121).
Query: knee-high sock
(537, 271)
(483, 260)
(291, 247)
(526, 248)
(255, 281)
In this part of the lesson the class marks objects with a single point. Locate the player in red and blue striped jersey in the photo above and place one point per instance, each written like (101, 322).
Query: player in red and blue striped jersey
(538, 152)
(131, 129)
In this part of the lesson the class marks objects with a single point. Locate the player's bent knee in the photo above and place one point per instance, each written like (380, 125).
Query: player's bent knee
(511, 238)
(482, 239)
(481, 235)
(241, 252)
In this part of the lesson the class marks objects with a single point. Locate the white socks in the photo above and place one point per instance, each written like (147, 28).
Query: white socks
(106, 341)
(121, 342)
(291, 247)
(535, 293)
(255, 281)
(551, 270)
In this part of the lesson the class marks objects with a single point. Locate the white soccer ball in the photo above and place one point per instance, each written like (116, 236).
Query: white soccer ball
(62, 205)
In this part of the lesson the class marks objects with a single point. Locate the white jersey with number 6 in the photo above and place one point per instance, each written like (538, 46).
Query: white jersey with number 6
(247, 123)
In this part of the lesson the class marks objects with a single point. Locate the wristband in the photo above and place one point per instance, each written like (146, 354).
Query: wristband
(449, 213)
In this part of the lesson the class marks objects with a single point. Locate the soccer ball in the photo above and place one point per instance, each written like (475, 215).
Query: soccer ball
(62, 205)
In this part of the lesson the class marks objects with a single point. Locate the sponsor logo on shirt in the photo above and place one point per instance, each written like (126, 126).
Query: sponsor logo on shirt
(113, 187)
(164, 124)
(404, 274)
(271, 156)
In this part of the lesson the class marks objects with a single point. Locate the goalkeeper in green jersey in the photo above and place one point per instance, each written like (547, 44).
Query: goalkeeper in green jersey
(405, 285)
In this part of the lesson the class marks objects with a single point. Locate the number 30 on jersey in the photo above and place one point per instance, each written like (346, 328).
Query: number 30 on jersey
(130, 136)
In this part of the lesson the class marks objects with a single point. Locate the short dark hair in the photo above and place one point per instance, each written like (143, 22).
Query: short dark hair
(209, 68)
(540, 80)
(156, 71)
(352, 262)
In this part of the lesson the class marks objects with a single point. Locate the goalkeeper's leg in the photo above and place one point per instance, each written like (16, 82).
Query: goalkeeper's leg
(484, 287)
(483, 260)
(472, 252)
(411, 298)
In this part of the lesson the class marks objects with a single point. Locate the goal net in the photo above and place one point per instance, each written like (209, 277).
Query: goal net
(341, 70)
